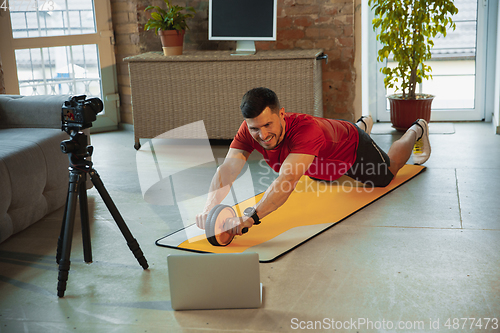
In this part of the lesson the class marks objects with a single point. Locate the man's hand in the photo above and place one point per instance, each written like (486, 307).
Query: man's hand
(235, 225)
(201, 219)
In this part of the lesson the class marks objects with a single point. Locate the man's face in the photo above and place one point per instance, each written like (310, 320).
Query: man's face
(268, 129)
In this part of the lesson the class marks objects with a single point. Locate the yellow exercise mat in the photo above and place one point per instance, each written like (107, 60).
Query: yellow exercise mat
(312, 208)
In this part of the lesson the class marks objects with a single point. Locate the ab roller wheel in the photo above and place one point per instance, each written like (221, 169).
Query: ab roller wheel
(215, 226)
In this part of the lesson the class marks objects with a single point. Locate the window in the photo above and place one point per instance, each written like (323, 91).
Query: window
(60, 47)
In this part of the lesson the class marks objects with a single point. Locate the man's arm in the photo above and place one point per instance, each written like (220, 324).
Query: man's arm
(292, 169)
(221, 182)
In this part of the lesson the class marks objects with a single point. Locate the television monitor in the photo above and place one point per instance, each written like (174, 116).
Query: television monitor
(244, 21)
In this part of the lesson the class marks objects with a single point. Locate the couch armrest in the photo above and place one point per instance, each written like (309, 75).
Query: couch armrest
(31, 111)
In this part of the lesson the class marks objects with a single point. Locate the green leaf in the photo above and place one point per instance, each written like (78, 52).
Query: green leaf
(170, 19)
(156, 16)
(407, 29)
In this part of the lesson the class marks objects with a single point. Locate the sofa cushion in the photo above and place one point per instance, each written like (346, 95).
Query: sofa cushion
(33, 176)
(31, 111)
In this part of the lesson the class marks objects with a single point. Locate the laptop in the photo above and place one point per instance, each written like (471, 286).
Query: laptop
(214, 281)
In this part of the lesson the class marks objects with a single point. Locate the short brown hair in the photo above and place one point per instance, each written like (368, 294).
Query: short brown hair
(256, 100)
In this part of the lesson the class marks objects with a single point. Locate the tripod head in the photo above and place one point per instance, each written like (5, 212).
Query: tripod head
(77, 149)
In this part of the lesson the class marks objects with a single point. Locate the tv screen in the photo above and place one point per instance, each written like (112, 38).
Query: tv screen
(242, 20)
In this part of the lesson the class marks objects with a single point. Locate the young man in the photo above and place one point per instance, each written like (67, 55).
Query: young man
(296, 144)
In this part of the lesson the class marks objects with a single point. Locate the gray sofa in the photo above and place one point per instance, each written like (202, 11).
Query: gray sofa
(33, 170)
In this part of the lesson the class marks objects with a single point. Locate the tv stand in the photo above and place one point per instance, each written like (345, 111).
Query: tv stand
(172, 91)
(244, 47)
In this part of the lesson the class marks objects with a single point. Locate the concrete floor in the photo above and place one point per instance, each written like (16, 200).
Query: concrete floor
(427, 252)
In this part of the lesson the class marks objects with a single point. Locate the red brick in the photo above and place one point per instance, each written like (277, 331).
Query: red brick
(333, 55)
(338, 64)
(300, 10)
(305, 2)
(345, 87)
(126, 28)
(122, 7)
(329, 11)
(284, 22)
(263, 46)
(329, 32)
(338, 24)
(312, 32)
(347, 8)
(290, 34)
(121, 39)
(281, 11)
(346, 41)
(305, 44)
(285, 45)
(342, 109)
(326, 44)
(303, 22)
(328, 100)
(126, 50)
(347, 52)
(337, 98)
(348, 30)
(324, 20)
(333, 75)
(327, 87)
(349, 75)
(342, 20)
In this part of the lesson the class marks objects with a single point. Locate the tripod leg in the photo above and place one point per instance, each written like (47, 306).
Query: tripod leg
(69, 222)
(131, 241)
(61, 235)
(84, 217)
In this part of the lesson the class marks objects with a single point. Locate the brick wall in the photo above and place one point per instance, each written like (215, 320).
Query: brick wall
(124, 15)
(302, 24)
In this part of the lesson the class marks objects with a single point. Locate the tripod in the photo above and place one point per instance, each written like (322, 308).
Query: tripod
(79, 167)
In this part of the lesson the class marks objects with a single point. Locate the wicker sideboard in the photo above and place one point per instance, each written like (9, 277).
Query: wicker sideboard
(172, 91)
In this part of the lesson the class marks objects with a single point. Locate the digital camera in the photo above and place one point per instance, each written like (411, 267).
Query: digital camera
(79, 112)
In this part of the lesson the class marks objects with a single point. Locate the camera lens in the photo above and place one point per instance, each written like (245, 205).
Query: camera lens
(95, 104)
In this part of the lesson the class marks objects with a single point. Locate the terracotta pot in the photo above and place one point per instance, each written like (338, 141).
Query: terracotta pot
(172, 41)
(405, 111)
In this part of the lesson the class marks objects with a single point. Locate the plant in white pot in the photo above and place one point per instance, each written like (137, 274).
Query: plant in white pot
(171, 25)
(407, 30)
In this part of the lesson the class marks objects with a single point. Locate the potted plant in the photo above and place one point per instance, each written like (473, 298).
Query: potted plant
(407, 30)
(171, 25)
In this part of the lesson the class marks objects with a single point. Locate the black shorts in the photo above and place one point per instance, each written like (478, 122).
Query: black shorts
(372, 163)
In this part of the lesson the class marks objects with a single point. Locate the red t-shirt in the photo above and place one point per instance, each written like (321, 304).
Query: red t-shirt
(333, 142)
